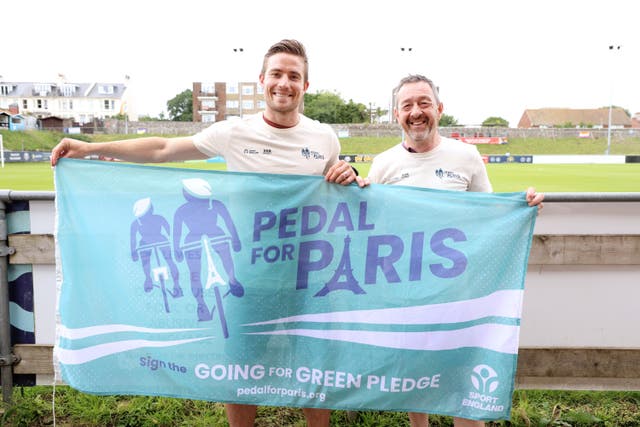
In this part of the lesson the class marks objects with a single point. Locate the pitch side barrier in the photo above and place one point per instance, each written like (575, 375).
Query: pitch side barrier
(527, 158)
(579, 320)
(42, 156)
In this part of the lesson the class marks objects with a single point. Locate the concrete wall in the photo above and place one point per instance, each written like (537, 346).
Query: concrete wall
(371, 130)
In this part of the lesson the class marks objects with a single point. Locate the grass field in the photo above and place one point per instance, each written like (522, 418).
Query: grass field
(33, 405)
(505, 177)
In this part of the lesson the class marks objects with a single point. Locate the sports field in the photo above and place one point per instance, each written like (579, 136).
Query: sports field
(505, 177)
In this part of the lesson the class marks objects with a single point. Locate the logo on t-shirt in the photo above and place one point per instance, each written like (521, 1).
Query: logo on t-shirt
(310, 154)
(443, 174)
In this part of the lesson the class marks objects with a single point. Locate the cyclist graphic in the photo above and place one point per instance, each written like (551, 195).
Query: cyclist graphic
(200, 215)
(150, 227)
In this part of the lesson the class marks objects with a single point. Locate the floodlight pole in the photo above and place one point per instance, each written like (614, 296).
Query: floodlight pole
(239, 50)
(611, 47)
(394, 102)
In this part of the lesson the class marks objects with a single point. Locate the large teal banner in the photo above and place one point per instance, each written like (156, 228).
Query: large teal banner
(287, 290)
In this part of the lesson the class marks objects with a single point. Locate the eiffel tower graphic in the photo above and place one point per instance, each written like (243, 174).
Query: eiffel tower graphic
(213, 276)
(344, 269)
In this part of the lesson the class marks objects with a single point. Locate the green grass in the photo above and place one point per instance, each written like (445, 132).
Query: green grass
(505, 177)
(520, 146)
(33, 407)
(565, 178)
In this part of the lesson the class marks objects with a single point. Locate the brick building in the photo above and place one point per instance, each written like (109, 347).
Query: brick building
(213, 102)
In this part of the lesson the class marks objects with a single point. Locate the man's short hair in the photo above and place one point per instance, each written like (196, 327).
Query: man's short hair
(292, 47)
(416, 78)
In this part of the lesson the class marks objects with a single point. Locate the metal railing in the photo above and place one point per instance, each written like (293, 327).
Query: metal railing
(11, 195)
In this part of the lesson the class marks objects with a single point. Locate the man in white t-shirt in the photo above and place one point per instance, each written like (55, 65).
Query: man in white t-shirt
(280, 140)
(426, 159)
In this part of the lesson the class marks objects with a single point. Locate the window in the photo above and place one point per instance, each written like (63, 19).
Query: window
(105, 89)
(25, 104)
(42, 89)
(247, 105)
(208, 89)
(232, 88)
(259, 90)
(68, 90)
(5, 89)
(262, 105)
(247, 90)
(208, 104)
(42, 104)
(232, 105)
(109, 104)
(208, 118)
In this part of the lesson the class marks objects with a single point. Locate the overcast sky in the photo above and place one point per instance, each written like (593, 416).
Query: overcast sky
(490, 57)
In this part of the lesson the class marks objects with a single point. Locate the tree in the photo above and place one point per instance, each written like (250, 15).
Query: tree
(329, 107)
(496, 122)
(180, 107)
(447, 120)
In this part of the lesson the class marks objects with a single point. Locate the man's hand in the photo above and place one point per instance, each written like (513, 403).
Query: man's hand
(68, 147)
(342, 173)
(534, 199)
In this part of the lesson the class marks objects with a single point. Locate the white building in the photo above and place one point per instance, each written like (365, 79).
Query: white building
(81, 102)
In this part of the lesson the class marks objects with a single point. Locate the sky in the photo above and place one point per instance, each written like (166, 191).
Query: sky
(489, 58)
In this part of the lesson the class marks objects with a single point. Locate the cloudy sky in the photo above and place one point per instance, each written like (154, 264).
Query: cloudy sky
(490, 58)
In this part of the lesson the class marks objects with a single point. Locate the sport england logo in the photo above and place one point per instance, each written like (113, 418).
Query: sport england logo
(485, 379)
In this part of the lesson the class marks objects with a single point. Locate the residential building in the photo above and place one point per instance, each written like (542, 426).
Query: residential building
(81, 102)
(566, 117)
(213, 102)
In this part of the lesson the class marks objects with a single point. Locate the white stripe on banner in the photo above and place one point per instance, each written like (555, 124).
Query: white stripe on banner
(496, 337)
(87, 354)
(90, 331)
(505, 303)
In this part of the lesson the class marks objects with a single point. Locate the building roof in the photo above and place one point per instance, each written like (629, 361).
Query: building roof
(73, 90)
(550, 117)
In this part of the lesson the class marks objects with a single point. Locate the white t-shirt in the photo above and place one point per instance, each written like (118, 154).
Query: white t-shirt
(452, 165)
(251, 145)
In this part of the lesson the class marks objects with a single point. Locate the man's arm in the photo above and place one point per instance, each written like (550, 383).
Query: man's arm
(139, 150)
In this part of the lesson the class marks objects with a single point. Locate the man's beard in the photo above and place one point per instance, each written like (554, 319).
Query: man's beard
(419, 136)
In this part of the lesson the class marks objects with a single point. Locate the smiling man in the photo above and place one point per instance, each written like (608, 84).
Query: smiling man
(426, 159)
(281, 140)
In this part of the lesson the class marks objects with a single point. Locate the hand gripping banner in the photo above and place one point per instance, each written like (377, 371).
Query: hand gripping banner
(287, 290)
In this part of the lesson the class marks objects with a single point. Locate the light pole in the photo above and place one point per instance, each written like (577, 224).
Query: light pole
(239, 50)
(126, 108)
(612, 48)
(407, 51)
